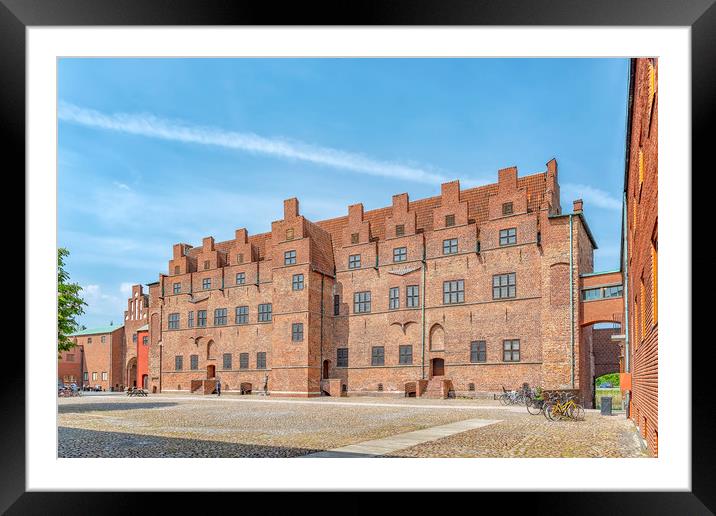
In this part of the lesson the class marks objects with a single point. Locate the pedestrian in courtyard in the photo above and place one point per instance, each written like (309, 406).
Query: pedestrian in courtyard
(218, 387)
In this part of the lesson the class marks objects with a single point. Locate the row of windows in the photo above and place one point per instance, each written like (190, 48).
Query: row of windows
(241, 316)
(504, 287)
(450, 246)
(227, 359)
(102, 339)
(478, 353)
(297, 282)
(591, 294)
(85, 376)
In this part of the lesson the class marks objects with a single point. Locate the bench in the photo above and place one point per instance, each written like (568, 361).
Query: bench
(136, 392)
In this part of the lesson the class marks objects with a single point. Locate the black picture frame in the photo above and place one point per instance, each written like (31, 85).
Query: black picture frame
(699, 15)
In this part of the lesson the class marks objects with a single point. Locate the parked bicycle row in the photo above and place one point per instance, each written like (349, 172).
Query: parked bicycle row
(554, 405)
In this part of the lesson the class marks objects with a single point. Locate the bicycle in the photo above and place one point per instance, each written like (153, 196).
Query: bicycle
(563, 406)
(535, 402)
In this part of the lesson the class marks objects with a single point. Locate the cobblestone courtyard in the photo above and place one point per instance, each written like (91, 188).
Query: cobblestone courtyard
(248, 426)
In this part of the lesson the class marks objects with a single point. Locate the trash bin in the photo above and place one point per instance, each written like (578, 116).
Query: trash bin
(606, 405)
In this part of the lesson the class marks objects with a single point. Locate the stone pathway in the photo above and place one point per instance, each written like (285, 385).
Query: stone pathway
(378, 447)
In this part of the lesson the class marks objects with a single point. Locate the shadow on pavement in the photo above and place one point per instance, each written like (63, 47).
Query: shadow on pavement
(98, 407)
(78, 442)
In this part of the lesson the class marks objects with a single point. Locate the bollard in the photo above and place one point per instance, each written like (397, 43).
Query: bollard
(606, 404)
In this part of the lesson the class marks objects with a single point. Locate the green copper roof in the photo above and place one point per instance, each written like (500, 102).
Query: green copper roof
(95, 331)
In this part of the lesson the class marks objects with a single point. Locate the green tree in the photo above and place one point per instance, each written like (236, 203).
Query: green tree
(69, 304)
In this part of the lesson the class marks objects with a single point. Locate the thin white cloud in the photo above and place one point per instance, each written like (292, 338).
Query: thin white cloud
(103, 306)
(154, 127)
(592, 196)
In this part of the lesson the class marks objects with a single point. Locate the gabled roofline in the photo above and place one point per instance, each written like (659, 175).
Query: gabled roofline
(584, 222)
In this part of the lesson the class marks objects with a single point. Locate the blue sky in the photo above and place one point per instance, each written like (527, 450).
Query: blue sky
(158, 151)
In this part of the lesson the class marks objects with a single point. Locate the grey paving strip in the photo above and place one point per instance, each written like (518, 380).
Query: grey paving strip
(378, 447)
(513, 408)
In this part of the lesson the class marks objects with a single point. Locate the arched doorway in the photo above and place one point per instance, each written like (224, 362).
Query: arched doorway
(437, 367)
(326, 367)
(211, 371)
(132, 372)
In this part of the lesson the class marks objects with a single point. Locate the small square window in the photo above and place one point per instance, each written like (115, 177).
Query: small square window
(405, 354)
(507, 208)
(177, 269)
(240, 258)
(354, 238)
(289, 234)
(354, 261)
(450, 246)
(206, 264)
(399, 230)
(265, 310)
(297, 332)
(240, 278)
(243, 360)
(242, 315)
(206, 283)
(504, 286)
(289, 257)
(173, 321)
(449, 220)
(478, 351)
(412, 298)
(220, 317)
(508, 236)
(453, 292)
(511, 350)
(400, 254)
(297, 282)
(177, 288)
(361, 302)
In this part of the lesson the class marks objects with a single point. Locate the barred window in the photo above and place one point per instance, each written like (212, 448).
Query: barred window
(289, 257)
(178, 363)
(261, 360)
(377, 356)
(240, 278)
(354, 261)
(336, 304)
(297, 332)
(297, 282)
(206, 283)
(399, 230)
(511, 350)
(405, 354)
(508, 236)
(177, 288)
(478, 351)
(201, 318)
(194, 362)
(504, 286)
(412, 296)
(394, 298)
(453, 292)
(219, 316)
(173, 321)
(450, 246)
(242, 315)
(227, 360)
(400, 254)
(206, 264)
(361, 302)
(342, 357)
(354, 238)
(265, 312)
(243, 360)
(190, 319)
(449, 220)
(507, 208)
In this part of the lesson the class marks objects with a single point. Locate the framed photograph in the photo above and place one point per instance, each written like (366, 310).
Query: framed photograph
(426, 235)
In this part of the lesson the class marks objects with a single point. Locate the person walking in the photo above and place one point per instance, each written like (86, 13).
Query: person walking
(218, 386)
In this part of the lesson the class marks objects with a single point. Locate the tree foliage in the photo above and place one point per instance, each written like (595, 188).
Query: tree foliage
(70, 304)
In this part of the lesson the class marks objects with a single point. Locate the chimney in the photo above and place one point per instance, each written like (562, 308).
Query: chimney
(577, 205)
(450, 193)
(290, 208)
(207, 243)
(241, 236)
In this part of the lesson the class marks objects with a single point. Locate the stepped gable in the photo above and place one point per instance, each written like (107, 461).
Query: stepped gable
(332, 229)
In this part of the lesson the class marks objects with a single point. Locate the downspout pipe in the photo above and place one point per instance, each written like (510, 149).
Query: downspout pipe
(625, 281)
(422, 317)
(571, 294)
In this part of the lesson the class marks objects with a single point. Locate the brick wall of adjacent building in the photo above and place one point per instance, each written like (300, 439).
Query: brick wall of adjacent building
(69, 366)
(102, 353)
(540, 315)
(606, 351)
(641, 187)
(135, 317)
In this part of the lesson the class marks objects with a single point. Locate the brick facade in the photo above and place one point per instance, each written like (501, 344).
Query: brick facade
(135, 317)
(101, 353)
(640, 249)
(362, 298)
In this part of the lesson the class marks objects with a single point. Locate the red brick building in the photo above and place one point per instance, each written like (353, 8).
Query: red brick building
(467, 291)
(640, 250)
(100, 351)
(70, 366)
(135, 321)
